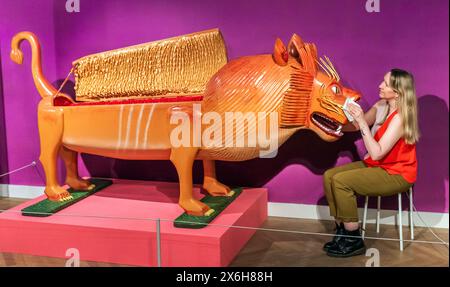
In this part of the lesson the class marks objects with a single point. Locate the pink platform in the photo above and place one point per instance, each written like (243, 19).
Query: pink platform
(112, 226)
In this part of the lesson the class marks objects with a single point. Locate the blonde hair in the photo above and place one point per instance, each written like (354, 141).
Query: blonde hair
(402, 83)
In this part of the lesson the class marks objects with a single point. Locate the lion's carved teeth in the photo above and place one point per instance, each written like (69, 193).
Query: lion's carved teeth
(328, 125)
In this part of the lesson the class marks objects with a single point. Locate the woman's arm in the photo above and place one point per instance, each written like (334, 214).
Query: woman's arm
(377, 150)
(369, 116)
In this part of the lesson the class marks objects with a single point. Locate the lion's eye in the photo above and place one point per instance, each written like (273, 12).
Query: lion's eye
(336, 90)
(293, 51)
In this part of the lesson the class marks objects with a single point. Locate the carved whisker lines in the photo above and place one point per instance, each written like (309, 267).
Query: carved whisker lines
(329, 105)
(328, 68)
(330, 64)
(324, 69)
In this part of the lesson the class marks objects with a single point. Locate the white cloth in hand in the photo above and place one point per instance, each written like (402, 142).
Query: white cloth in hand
(349, 101)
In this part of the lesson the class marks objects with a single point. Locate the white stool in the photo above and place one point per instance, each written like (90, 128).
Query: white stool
(400, 222)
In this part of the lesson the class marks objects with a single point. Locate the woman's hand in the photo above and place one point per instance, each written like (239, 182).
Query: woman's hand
(357, 113)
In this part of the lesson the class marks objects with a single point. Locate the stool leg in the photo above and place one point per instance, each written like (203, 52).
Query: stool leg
(378, 213)
(400, 221)
(366, 203)
(411, 210)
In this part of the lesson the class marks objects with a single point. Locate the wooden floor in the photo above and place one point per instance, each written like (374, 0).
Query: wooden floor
(267, 248)
(271, 248)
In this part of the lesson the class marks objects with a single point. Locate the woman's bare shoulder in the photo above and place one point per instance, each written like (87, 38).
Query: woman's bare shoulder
(396, 121)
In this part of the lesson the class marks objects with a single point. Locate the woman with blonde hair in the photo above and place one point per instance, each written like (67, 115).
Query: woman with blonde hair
(389, 167)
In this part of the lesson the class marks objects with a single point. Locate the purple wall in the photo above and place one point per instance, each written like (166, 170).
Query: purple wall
(412, 35)
(19, 95)
(3, 147)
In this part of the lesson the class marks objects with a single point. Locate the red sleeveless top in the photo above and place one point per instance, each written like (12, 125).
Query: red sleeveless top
(401, 159)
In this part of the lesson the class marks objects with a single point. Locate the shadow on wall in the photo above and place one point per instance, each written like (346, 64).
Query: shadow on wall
(304, 147)
(3, 148)
(68, 89)
(432, 154)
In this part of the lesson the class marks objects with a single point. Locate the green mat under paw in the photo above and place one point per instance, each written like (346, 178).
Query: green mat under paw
(47, 207)
(218, 203)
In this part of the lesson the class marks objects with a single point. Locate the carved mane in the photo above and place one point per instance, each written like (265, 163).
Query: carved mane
(297, 99)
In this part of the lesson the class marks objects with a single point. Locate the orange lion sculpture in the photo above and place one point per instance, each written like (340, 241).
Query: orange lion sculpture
(126, 98)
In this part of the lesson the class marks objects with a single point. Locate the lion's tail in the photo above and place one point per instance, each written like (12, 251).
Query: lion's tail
(43, 86)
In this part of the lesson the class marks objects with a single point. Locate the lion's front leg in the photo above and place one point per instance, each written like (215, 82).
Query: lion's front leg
(183, 160)
(210, 183)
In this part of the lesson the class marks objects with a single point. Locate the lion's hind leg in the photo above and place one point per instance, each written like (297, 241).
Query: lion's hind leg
(70, 159)
(50, 123)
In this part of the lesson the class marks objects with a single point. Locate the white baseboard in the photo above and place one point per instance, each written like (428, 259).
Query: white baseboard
(292, 210)
(320, 212)
(21, 191)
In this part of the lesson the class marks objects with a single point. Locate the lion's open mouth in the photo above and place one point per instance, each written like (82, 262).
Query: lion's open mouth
(326, 124)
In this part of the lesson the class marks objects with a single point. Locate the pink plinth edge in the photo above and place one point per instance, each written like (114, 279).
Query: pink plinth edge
(118, 225)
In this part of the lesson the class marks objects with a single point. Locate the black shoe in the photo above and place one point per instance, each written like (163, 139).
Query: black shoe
(348, 246)
(339, 231)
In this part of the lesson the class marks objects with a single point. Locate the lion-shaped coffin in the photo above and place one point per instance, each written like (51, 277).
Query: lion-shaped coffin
(127, 100)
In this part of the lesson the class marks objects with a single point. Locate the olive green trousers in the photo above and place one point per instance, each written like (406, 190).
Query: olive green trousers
(342, 184)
